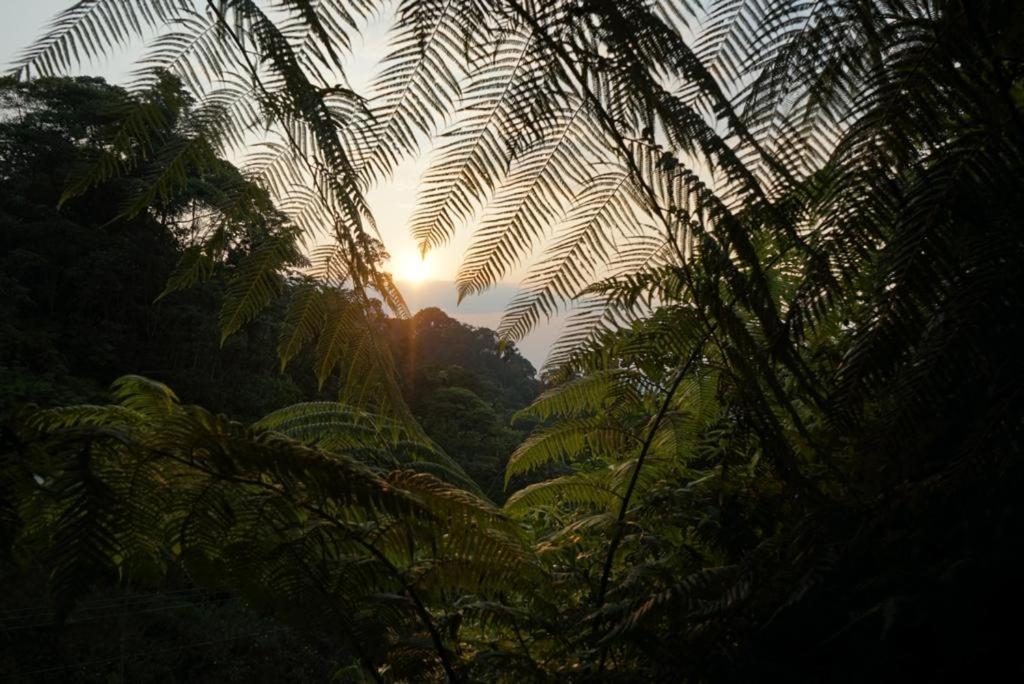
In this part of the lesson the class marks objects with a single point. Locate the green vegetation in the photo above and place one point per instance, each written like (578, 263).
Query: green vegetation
(779, 440)
(85, 307)
(82, 281)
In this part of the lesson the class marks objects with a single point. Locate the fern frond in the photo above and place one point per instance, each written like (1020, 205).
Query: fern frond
(608, 390)
(580, 489)
(420, 79)
(90, 29)
(565, 441)
(468, 163)
(303, 321)
(255, 282)
(530, 199)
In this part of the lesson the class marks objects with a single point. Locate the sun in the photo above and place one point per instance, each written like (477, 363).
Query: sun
(412, 269)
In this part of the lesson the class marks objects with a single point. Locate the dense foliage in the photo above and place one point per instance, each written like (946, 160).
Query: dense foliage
(783, 430)
(84, 307)
(86, 300)
(82, 282)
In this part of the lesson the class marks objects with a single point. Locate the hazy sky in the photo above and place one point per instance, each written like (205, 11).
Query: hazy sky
(21, 21)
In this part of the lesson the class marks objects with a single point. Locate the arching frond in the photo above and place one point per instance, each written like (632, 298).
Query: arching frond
(580, 489)
(286, 524)
(91, 28)
(420, 79)
(607, 390)
(254, 283)
(568, 439)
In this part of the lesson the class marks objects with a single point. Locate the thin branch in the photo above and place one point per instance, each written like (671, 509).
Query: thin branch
(616, 540)
(280, 490)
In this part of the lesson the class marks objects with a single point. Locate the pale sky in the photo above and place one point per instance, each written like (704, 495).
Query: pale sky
(426, 283)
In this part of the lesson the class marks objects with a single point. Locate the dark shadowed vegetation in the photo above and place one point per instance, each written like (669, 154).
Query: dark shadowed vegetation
(780, 438)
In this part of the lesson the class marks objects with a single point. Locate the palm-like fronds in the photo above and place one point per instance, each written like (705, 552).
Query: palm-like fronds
(337, 511)
(789, 233)
(244, 72)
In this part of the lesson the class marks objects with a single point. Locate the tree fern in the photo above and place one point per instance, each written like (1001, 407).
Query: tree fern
(175, 484)
(786, 233)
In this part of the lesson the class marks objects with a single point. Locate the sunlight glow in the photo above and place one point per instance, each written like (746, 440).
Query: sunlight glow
(412, 269)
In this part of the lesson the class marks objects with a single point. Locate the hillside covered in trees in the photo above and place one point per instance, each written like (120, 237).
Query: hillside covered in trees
(87, 303)
(778, 440)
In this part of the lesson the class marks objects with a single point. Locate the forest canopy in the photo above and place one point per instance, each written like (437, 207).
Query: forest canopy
(779, 438)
